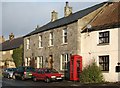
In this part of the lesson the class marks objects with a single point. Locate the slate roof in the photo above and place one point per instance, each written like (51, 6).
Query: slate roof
(66, 20)
(11, 44)
(109, 18)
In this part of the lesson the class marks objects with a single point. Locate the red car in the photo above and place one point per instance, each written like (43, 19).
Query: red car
(47, 75)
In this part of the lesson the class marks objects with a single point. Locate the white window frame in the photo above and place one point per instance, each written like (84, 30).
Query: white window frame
(65, 40)
(64, 61)
(28, 43)
(40, 45)
(27, 61)
(51, 36)
(40, 62)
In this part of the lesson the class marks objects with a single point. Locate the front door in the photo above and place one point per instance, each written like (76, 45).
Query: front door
(50, 61)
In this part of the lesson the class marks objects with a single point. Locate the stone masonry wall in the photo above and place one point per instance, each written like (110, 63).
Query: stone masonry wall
(58, 47)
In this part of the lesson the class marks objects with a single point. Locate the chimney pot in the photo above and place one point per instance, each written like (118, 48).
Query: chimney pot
(67, 10)
(37, 27)
(11, 36)
(66, 3)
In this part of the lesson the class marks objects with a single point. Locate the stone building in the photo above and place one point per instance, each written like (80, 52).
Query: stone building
(92, 33)
(52, 44)
(2, 39)
(7, 48)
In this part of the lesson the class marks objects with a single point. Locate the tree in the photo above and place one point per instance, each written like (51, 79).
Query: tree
(18, 56)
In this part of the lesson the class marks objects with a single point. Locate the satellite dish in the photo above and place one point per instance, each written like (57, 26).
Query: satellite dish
(89, 26)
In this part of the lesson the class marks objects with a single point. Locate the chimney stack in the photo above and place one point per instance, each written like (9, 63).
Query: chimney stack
(37, 27)
(67, 10)
(11, 36)
(54, 16)
(2, 39)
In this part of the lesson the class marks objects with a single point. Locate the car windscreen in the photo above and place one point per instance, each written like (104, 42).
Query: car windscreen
(28, 69)
(14, 69)
(51, 71)
(10, 69)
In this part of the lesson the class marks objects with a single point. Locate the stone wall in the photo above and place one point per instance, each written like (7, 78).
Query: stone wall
(58, 47)
(7, 57)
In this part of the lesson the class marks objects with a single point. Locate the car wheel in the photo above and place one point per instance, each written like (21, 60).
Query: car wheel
(23, 78)
(34, 79)
(47, 80)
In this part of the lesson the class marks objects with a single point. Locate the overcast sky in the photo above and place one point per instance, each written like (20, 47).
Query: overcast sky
(22, 17)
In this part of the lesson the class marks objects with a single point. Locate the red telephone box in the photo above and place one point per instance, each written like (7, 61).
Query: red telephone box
(75, 67)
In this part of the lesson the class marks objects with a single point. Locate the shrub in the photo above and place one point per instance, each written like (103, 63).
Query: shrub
(91, 74)
(18, 56)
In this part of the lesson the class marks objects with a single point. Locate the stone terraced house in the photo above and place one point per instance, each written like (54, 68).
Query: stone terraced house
(76, 33)
(6, 50)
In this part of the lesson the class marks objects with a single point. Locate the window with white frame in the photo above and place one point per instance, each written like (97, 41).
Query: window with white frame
(51, 39)
(28, 43)
(65, 35)
(40, 62)
(27, 61)
(103, 37)
(64, 62)
(40, 41)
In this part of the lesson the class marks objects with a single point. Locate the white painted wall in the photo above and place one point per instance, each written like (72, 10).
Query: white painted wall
(90, 50)
(119, 50)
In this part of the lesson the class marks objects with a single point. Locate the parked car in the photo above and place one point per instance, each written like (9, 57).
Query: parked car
(8, 72)
(47, 75)
(23, 72)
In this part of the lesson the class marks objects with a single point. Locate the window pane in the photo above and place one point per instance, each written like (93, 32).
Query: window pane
(100, 34)
(28, 43)
(64, 61)
(65, 36)
(40, 41)
(51, 39)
